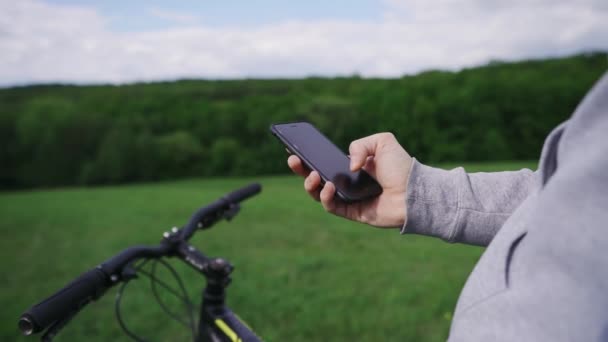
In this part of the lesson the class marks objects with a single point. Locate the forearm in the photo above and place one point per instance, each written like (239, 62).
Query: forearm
(463, 207)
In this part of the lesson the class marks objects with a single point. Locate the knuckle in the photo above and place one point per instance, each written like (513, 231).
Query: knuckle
(387, 136)
(386, 139)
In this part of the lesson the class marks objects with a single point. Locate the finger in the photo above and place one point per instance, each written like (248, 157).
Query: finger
(361, 149)
(316, 195)
(370, 166)
(295, 164)
(327, 197)
(312, 184)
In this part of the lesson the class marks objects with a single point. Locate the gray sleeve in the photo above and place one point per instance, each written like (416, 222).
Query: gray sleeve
(556, 272)
(463, 207)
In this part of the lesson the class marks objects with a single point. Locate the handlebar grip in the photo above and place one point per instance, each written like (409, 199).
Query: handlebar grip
(88, 286)
(243, 193)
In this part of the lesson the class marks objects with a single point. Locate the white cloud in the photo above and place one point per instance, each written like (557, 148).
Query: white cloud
(45, 43)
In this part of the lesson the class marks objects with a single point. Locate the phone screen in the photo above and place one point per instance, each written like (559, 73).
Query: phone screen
(322, 155)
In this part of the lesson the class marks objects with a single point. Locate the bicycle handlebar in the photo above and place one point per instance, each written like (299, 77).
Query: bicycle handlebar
(92, 284)
(243, 193)
(206, 216)
(88, 286)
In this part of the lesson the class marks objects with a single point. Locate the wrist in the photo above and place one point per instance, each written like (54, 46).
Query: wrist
(409, 187)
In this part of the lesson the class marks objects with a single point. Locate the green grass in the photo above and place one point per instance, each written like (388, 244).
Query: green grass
(301, 274)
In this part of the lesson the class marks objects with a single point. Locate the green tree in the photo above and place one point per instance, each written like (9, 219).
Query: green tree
(179, 154)
(223, 156)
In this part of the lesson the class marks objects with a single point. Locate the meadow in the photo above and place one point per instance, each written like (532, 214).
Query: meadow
(301, 274)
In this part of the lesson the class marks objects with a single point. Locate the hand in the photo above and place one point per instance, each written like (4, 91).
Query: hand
(383, 158)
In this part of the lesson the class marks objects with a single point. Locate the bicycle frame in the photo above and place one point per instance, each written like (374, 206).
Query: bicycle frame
(217, 323)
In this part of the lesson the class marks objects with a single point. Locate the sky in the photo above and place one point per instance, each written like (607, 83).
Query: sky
(86, 42)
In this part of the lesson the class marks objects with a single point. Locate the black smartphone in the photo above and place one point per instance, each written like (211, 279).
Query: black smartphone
(318, 153)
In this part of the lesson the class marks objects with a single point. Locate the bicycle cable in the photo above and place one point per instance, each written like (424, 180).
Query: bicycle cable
(181, 294)
(185, 299)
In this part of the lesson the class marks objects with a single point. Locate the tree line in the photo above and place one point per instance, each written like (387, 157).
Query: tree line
(55, 135)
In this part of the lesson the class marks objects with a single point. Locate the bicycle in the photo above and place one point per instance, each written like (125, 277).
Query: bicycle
(217, 323)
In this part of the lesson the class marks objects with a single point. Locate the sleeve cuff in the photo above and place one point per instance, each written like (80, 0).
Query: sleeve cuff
(431, 202)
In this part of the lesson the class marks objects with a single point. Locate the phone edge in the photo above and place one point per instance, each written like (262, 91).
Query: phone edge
(305, 160)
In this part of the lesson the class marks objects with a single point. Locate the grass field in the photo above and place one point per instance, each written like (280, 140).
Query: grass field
(301, 275)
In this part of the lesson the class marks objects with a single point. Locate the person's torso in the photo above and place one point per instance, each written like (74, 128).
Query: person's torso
(548, 259)
(491, 274)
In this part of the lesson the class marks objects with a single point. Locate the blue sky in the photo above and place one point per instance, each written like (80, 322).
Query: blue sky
(112, 41)
(140, 15)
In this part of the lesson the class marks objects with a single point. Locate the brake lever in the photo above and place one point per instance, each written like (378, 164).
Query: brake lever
(128, 272)
(227, 214)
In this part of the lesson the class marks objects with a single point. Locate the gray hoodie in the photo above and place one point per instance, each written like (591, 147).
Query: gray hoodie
(544, 274)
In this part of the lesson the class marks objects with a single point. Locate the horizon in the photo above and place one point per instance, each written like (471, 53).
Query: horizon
(202, 79)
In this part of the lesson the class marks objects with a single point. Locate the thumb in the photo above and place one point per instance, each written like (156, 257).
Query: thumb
(361, 149)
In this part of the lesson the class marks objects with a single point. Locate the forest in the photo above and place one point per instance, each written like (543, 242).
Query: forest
(63, 135)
